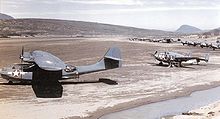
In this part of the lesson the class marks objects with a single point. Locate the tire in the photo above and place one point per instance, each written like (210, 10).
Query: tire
(10, 82)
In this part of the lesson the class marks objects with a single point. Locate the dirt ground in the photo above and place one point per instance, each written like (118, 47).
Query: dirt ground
(140, 80)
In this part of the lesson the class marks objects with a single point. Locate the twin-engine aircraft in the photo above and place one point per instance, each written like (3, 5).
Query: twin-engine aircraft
(176, 59)
(44, 69)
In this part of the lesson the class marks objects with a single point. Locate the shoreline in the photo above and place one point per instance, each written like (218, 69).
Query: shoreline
(144, 101)
(139, 81)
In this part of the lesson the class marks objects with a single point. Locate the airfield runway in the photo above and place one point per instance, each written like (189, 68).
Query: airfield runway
(140, 80)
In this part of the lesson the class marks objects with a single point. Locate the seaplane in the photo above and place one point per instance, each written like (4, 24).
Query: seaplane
(44, 69)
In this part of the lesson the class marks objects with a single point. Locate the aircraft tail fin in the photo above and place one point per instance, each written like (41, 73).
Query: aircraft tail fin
(112, 58)
(206, 57)
(153, 54)
(189, 54)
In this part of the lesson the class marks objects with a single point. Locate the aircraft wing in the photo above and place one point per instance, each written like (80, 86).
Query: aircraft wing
(112, 59)
(45, 83)
(206, 58)
(46, 75)
(47, 61)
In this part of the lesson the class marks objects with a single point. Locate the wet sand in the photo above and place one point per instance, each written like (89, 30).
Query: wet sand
(211, 111)
(140, 80)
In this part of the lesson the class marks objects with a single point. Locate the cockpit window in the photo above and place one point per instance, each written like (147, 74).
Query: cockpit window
(27, 66)
(22, 66)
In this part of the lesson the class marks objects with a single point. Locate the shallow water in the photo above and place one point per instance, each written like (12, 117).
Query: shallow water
(169, 107)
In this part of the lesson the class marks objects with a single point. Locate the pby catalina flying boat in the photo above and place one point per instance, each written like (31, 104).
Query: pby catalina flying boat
(176, 59)
(41, 68)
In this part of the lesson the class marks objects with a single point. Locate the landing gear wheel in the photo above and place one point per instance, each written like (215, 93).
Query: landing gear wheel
(170, 65)
(10, 82)
(179, 64)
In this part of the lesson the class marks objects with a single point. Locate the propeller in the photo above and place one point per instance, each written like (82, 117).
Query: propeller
(22, 57)
(22, 54)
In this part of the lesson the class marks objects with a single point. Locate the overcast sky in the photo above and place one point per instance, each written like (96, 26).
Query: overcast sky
(150, 14)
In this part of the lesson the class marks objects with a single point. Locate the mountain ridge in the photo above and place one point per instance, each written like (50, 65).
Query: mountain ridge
(187, 29)
(71, 27)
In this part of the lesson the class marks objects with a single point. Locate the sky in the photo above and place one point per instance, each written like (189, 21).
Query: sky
(148, 14)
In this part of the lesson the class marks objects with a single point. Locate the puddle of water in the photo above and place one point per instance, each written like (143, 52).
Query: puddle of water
(169, 107)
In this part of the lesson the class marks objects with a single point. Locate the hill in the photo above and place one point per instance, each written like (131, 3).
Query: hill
(65, 27)
(4, 16)
(187, 29)
(212, 33)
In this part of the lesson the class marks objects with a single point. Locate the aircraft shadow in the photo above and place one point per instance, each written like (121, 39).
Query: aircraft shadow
(101, 80)
(54, 89)
(46, 89)
(166, 65)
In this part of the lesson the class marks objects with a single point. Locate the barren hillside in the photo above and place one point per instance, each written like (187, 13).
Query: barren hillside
(5, 16)
(65, 27)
